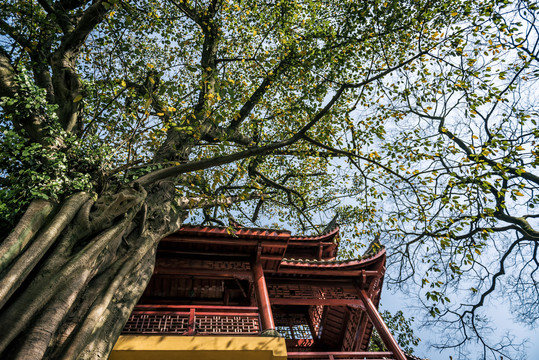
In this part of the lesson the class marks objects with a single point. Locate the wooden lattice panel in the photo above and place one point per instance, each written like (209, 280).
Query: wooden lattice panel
(289, 291)
(292, 291)
(238, 325)
(172, 263)
(222, 324)
(349, 338)
(156, 324)
(295, 328)
(337, 293)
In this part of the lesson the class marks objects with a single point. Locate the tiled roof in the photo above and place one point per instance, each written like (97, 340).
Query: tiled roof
(226, 231)
(337, 263)
(329, 235)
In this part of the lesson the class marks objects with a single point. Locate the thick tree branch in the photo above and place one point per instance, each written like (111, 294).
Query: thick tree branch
(203, 201)
(257, 95)
(14, 34)
(31, 222)
(26, 262)
(221, 160)
(32, 124)
(208, 62)
(66, 82)
(188, 11)
(7, 72)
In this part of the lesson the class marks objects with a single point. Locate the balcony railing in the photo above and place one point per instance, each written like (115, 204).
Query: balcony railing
(193, 320)
(341, 355)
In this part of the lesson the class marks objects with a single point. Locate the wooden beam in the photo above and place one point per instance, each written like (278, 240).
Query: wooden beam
(264, 304)
(318, 283)
(326, 271)
(381, 327)
(207, 273)
(273, 243)
(198, 307)
(206, 255)
(271, 257)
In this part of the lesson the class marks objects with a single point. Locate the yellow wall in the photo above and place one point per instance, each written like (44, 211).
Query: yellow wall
(150, 347)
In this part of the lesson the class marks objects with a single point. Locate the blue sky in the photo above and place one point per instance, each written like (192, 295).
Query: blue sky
(502, 320)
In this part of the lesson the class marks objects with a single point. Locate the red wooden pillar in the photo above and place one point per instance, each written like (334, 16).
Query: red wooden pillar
(264, 306)
(380, 326)
(191, 324)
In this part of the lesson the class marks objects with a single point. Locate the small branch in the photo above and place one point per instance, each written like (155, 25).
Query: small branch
(14, 34)
(65, 79)
(492, 287)
(384, 73)
(478, 158)
(253, 172)
(188, 11)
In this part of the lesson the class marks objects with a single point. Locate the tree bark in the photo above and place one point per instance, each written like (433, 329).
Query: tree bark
(72, 272)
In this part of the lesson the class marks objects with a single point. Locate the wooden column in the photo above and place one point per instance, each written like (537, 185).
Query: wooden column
(262, 296)
(191, 325)
(380, 326)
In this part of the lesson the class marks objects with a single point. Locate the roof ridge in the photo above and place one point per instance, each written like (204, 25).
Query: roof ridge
(235, 228)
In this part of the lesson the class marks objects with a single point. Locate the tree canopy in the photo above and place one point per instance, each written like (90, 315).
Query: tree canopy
(413, 120)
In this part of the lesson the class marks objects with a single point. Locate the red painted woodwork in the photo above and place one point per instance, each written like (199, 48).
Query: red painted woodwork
(207, 280)
(190, 320)
(341, 355)
(262, 296)
(381, 327)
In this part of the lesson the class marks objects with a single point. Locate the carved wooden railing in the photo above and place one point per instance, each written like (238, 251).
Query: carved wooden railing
(193, 320)
(336, 355)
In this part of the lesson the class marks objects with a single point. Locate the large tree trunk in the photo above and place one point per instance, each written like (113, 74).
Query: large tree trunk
(72, 272)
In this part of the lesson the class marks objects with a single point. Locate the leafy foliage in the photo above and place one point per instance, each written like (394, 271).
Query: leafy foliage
(38, 170)
(413, 120)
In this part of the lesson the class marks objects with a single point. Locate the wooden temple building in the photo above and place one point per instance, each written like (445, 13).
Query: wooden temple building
(257, 294)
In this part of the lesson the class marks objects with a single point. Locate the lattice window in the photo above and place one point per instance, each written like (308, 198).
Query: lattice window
(302, 331)
(285, 331)
(350, 333)
(291, 291)
(288, 291)
(293, 326)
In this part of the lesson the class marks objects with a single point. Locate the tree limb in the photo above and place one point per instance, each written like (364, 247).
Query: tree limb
(7, 85)
(202, 201)
(66, 82)
(221, 160)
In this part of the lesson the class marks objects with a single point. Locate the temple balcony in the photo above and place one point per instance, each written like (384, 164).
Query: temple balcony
(193, 320)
